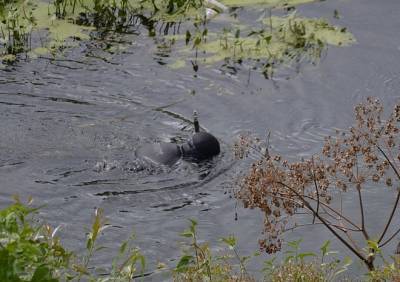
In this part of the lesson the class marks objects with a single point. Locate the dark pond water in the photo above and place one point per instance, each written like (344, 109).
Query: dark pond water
(69, 130)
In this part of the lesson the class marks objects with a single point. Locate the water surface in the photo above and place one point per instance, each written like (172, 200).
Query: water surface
(69, 129)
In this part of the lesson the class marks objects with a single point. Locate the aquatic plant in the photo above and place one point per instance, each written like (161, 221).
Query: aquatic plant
(113, 15)
(63, 23)
(198, 263)
(16, 24)
(350, 162)
(280, 41)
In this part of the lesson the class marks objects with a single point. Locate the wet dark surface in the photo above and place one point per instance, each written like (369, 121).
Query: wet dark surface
(69, 130)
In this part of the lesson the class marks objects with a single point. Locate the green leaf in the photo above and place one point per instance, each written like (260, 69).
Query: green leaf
(325, 248)
(373, 245)
(269, 265)
(123, 247)
(244, 259)
(43, 274)
(230, 241)
(289, 258)
(237, 33)
(183, 263)
(268, 39)
(7, 269)
(347, 261)
(197, 42)
(89, 243)
(304, 255)
(187, 37)
(187, 233)
(193, 226)
(295, 244)
(100, 248)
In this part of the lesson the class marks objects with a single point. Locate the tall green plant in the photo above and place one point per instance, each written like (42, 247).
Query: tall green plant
(16, 24)
(198, 263)
(32, 252)
(29, 252)
(300, 266)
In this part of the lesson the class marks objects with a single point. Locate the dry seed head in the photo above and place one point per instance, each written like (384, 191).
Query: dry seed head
(349, 160)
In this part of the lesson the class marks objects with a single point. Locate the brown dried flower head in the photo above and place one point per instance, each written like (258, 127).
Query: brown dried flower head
(366, 154)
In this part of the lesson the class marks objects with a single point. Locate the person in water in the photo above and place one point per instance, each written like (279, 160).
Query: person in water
(201, 146)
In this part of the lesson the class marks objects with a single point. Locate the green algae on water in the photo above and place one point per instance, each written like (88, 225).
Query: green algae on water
(59, 30)
(16, 24)
(63, 23)
(289, 39)
(177, 64)
(292, 26)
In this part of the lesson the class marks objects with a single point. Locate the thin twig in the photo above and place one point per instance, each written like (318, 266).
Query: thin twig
(397, 198)
(390, 238)
(336, 212)
(340, 222)
(330, 228)
(364, 231)
(316, 187)
(358, 187)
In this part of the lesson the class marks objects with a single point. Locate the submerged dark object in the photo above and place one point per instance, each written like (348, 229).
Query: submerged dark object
(201, 146)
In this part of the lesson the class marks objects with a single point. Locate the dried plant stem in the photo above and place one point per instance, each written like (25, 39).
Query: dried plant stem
(341, 227)
(390, 238)
(397, 197)
(358, 188)
(368, 262)
(369, 152)
(364, 231)
(316, 187)
(353, 242)
(344, 229)
(287, 199)
(336, 212)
